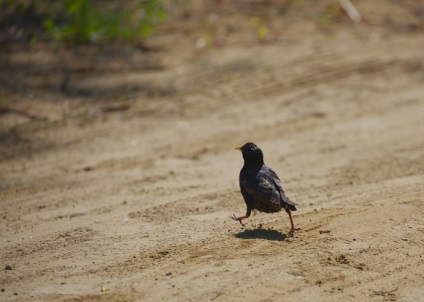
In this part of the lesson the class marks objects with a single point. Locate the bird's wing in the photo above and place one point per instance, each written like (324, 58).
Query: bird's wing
(277, 182)
(260, 186)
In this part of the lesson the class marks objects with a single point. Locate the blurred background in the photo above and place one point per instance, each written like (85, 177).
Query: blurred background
(59, 56)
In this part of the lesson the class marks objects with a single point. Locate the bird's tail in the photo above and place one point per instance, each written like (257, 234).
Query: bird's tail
(291, 207)
(288, 204)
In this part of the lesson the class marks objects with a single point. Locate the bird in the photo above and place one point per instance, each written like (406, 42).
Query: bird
(260, 186)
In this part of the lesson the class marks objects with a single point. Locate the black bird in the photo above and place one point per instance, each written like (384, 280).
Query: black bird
(260, 186)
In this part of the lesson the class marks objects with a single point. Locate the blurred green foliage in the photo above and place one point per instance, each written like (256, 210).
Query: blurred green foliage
(85, 21)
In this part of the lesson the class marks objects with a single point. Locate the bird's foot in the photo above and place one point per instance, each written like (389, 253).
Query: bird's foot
(239, 219)
(291, 232)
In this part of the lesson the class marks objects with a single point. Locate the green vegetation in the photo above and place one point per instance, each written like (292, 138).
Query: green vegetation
(82, 21)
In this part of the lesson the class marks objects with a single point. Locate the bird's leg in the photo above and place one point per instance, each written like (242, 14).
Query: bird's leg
(292, 229)
(248, 211)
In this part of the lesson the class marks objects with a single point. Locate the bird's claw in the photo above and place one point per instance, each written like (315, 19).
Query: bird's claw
(234, 217)
(291, 232)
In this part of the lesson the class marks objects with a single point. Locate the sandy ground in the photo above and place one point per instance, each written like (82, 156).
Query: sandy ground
(129, 199)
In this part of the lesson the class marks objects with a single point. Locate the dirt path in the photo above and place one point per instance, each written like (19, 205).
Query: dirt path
(132, 202)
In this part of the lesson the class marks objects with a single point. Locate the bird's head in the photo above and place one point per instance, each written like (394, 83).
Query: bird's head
(252, 154)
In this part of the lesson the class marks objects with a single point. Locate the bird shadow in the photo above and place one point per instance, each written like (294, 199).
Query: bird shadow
(261, 234)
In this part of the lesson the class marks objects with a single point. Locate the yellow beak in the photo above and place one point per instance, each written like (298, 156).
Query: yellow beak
(237, 148)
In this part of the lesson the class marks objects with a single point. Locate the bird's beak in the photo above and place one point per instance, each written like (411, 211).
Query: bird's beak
(237, 148)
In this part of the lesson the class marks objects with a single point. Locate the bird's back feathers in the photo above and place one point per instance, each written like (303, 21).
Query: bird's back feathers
(262, 189)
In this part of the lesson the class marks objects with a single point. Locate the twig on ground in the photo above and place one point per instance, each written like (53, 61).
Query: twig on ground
(350, 10)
